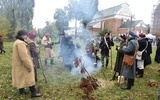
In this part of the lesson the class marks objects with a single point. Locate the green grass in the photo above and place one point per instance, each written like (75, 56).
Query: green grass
(61, 85)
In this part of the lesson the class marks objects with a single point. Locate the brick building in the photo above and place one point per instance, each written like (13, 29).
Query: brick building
(155, 22)
(117, 19)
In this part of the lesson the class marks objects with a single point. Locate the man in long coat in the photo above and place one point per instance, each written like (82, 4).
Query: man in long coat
(22, 66)
(129, 72)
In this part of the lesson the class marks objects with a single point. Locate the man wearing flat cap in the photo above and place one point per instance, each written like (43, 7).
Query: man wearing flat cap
(22, 66)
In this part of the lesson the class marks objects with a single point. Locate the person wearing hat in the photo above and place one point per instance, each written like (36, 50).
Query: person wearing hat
(48, 51)
(22, 66)
(34, 50)
(143, 44)
(129, 72)
(1, 45)
(105, 46)
(119, 58)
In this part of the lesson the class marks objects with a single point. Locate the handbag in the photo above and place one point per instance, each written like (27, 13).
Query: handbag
(128, 60)
(139, 53)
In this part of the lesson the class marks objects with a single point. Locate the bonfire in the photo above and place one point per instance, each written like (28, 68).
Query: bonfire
(88, 84)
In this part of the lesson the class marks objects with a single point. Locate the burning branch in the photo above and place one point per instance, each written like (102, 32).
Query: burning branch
(87, 84)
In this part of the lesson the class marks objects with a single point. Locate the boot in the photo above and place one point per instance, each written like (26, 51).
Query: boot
(35, 74)
(132, 82)
(140, 73)
(3, 51)
(34, 92)
(22, 91)
(129, 85)
(51, 62)
(45, 62)
(107, 63)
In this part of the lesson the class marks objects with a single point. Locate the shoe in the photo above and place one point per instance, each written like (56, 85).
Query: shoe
(126, 88)
(139, 76)
(36, 95)
(23, 92)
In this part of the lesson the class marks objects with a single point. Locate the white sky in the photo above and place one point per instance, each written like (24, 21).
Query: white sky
(44, 9)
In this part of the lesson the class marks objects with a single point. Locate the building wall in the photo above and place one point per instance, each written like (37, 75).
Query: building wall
(156, 21)
(113, 25)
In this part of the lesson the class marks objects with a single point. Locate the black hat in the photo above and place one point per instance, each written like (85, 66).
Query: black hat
(123, 36)
(132, 34)
(107, 33)
(21, 33)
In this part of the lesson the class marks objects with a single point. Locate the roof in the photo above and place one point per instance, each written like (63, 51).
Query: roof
(108, 12)
(128, 23)
(92, 23)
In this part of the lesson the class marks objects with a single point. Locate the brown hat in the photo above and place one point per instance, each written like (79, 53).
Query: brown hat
(31, 35)
(143, 35)
(47, 34)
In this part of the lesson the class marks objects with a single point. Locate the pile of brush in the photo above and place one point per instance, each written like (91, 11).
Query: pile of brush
(88, 85)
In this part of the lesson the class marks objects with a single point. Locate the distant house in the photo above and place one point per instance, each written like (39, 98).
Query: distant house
(137, 27)
(117, 19)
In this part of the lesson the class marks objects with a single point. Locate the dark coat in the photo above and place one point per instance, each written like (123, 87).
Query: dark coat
(147, 59)
(34, 50)
(103, 46)
(1, 43)
(119, 59)
(130, 72)
(157, 56)
(142, 45)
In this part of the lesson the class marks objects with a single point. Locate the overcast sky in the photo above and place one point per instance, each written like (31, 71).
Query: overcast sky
(44, 9)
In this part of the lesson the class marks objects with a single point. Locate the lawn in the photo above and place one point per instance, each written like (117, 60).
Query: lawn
(62, 85)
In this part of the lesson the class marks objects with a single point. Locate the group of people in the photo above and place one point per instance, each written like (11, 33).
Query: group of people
(26, 54)
(130, 45)
(25, 62)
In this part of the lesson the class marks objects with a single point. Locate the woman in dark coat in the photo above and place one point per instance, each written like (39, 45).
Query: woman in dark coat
(147, 59)
(157, 56)
(143, 44)
(119, 58)
(129, 72)
(34, 50)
